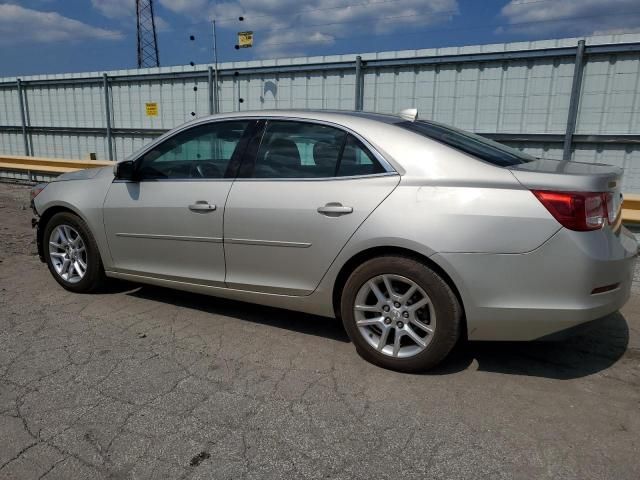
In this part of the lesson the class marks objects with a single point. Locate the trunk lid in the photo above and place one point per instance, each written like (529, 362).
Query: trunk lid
(546, 174)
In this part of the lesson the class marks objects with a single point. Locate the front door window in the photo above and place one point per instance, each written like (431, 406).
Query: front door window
(200, 152)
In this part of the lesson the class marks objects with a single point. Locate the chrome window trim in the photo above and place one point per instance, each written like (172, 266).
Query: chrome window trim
(230, 180)
(389, 169)
(172, 133)
(378, 156)
(318, 179)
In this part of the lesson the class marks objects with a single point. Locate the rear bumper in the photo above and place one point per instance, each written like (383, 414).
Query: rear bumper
(536, 294)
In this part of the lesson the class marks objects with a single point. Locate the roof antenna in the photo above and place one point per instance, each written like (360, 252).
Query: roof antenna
(410, 114)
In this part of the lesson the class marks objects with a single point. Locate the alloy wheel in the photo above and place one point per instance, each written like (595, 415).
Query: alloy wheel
(68, 253)
(394, 315)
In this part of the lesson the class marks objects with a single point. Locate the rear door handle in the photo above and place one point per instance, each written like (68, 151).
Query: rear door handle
(202, 206)
(334, 209)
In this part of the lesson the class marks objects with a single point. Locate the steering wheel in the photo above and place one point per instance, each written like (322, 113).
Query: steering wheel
(207, 170)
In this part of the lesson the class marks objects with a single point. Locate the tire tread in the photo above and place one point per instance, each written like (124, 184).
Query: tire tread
(94, 278)
(448, 311)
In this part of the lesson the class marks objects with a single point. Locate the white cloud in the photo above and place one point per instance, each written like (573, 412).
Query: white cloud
(20, 25)
(571, 17)
(185, 7)
(125, 10)
(161, 24)
(289, 26)
(115, 8)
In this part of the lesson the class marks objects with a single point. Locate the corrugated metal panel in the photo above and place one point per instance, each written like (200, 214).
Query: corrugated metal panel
(515, 95)
(12, 143)
(507, 97)
(610, 101)
(65, 106)
(9, 107)
(67, 146)
(125, 145)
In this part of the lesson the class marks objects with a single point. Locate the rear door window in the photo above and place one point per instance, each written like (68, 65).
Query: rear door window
(298, 150)
(357, 160)
(309, 150)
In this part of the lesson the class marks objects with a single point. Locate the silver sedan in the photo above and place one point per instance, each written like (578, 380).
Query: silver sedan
(414, 233)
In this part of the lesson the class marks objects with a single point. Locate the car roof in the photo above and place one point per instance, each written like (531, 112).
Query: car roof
(337, 116)
(407, 152)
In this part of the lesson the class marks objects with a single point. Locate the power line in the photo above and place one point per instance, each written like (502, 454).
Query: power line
(348, 5)
(384, 17)
(311, 10)
(322, 9)
(338, 7)
(413, 34)
(533, 22)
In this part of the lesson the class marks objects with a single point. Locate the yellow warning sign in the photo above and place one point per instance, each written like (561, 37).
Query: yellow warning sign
(245, 39)
(152, 109)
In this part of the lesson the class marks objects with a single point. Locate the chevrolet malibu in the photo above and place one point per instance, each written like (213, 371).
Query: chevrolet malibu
(414, 233)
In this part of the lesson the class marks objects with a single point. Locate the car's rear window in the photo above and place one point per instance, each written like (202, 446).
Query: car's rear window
(480, 147)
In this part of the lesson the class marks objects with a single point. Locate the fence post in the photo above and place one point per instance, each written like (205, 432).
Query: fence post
(574, 101)
(23, 118)
(107, 109)
(210, 85)
(358, 93)
(239, 97)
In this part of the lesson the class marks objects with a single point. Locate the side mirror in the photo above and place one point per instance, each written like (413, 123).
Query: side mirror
(125, 170)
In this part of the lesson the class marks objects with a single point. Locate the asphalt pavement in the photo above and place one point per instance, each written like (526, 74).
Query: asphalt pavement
(144, 382)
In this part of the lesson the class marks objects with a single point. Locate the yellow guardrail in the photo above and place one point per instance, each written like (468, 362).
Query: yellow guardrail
(48, 165)
(630, 205)
(631, 208)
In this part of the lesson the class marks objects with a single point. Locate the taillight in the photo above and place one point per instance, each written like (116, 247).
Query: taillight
(614, 206)
(580, 211)
(35, 191)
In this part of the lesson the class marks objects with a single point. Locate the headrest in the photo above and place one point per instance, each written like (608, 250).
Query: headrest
(325, 154)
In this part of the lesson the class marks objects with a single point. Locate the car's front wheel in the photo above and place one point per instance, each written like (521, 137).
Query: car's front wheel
(72, 254)
(400, 314)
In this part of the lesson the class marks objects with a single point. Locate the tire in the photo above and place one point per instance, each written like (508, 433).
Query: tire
(433, 306)
(73, 227)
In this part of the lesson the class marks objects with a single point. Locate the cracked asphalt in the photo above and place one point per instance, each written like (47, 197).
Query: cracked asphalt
(143, 382)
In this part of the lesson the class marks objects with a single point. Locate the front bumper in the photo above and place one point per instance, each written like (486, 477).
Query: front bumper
(536, 294)
(35, 223)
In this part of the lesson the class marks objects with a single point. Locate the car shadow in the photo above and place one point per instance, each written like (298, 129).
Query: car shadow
(307, 324)
(589, 349)
(592, 348)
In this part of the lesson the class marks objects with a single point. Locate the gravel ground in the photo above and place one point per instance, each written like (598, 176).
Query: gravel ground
(144, 382)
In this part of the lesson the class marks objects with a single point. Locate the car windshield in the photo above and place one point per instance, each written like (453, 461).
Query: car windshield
(480, 147)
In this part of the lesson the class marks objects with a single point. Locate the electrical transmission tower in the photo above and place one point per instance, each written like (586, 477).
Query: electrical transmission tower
(147, 38)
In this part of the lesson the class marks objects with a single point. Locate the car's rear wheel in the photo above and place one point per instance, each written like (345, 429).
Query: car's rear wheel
(72, 254)
(400, 314)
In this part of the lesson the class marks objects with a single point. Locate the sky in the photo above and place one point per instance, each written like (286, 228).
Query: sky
(56, 36)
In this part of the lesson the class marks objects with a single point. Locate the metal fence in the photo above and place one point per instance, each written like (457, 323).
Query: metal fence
(568, 98)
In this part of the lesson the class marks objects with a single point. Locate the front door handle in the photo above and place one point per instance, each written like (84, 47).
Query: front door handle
(202, 206)
(334, 209)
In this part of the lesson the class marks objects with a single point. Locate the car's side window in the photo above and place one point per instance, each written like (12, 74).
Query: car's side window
(298, 150)
(357, 160)
(199, 152)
